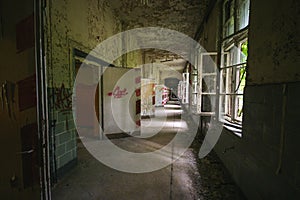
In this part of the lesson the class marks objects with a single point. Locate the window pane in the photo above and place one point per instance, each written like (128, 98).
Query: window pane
(222, 106)
(244, 52)
(209, 84)
(239, 108)
(229, 105)
(241, 72)
(228, 24)
(234, 59)
(241, 80)
(229, 80)
(223, 81)
(208, 103)
(224, 59)
(209, 64)
(227, 10)
(243, 11)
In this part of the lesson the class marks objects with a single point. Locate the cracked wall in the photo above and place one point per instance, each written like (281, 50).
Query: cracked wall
(80, 24)
(76, 24)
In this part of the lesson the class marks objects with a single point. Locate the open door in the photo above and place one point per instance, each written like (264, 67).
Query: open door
(22, 115)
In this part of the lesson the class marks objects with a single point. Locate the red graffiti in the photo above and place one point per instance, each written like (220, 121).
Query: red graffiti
(138, 92)
(138, 80)
(118, 93)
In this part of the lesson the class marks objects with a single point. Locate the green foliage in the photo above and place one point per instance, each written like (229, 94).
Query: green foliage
(244, 50)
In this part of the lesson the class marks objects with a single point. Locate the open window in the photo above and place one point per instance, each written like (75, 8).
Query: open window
(183, 88)
(207, 76)
(232, 82)
(233, 62)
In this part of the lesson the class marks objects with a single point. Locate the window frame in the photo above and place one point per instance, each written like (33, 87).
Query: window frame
(201, 76)
(228, 113)
(231, 92)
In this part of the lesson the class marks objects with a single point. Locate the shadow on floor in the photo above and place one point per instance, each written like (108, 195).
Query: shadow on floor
(187, 178)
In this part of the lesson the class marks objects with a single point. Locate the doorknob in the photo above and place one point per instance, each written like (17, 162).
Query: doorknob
(26, 152)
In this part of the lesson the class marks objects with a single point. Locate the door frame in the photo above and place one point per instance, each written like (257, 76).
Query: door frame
(42, 102)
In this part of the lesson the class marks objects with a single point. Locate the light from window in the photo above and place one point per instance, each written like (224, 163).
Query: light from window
(243, 13)
(235, 20)
(233, 81)
(228, 18)
(234, 60)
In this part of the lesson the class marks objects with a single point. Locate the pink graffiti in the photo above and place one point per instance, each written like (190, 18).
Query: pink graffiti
(118, 93)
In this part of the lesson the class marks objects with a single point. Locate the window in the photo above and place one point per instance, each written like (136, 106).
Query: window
(183, 88)
(228, 16)
(243, 14)
(194, 89)
(234, 60)
(233, 80)
(207, 76)
(235, 16)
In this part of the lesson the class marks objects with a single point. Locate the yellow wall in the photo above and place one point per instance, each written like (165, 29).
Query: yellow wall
(76, 24)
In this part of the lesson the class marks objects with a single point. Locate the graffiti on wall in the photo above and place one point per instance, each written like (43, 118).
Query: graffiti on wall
(118, 93)
(61, 98)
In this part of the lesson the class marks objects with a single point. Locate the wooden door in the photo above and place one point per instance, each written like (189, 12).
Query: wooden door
(19, 144)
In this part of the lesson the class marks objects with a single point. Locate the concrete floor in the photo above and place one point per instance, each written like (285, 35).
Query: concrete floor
(187, 178)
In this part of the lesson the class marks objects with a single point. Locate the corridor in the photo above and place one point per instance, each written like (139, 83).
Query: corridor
(75, 71)
(187, 178)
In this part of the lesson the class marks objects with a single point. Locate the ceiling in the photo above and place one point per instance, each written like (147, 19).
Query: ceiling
(180, 15)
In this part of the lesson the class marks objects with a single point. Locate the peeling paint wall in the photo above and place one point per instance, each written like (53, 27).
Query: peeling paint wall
(134, 59)
(80, 24)
(275, 42)
(173, 14)
(76, 24)
(271, 103)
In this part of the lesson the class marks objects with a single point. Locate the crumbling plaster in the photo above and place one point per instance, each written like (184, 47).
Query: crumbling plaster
(83, 24)
(78, 24)
(173, 14)
(270, 103)
(274, 42)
